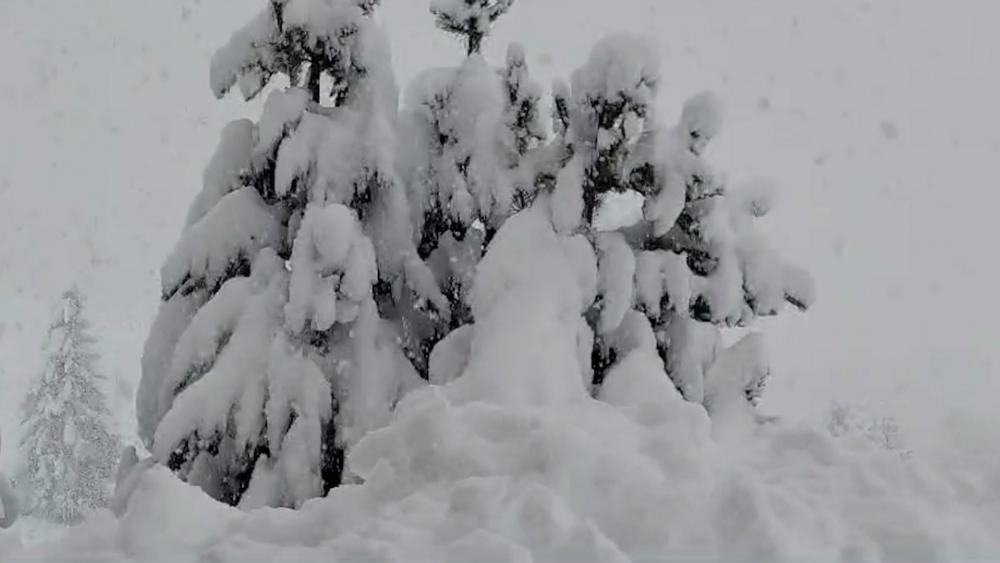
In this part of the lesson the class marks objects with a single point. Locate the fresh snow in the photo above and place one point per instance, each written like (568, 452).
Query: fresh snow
(515, 461)
(458, 475)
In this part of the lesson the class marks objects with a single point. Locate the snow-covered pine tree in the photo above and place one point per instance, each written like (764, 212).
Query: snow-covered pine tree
(69, 451)
(268, 357)
(694, 263)
(467, 156)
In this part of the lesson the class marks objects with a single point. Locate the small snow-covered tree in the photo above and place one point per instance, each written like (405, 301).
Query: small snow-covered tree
(69, 450)
(694, 263)
(268, 357)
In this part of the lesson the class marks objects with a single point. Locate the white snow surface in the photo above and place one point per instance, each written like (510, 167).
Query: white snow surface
(457, 477)
(514, 461)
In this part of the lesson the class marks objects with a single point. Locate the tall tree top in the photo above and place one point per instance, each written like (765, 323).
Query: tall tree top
(69, 337)
(70, 307)
(301, 39)
(471, 19)
(70, 358)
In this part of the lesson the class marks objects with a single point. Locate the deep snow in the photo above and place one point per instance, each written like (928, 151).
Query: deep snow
(514, 461)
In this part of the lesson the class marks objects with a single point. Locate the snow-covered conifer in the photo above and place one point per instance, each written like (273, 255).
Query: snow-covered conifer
(329, 259)
(694, 262)
(69, 451)
(268, 357)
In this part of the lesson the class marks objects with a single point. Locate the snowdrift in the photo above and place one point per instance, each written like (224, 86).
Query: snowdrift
(514, 461)
(465, 480)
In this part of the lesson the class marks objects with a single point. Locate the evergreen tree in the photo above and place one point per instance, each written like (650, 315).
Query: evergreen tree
(268, 357)
(69, 450)
(327, 265)
(694, 263)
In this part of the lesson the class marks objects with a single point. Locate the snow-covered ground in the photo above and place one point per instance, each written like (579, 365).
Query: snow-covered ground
(877, 120)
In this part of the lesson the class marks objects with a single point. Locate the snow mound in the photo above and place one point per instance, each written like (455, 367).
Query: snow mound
(454, 479)
(513, 460)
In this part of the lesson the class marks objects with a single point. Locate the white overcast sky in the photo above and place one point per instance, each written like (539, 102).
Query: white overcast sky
(877, 120)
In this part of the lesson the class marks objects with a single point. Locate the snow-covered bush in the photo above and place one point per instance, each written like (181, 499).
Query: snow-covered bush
(68, 448)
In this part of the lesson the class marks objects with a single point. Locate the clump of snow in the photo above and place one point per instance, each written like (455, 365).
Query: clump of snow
(333, 269)
(618, 210)
(222, 175)
(530, 292)
(281, 114)
(693, 349)
(737, 376)
(567, 198)
(235, 229)
(619, 67)
(701, 120)
(660, 274)
(616, 272)
(451, 356)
